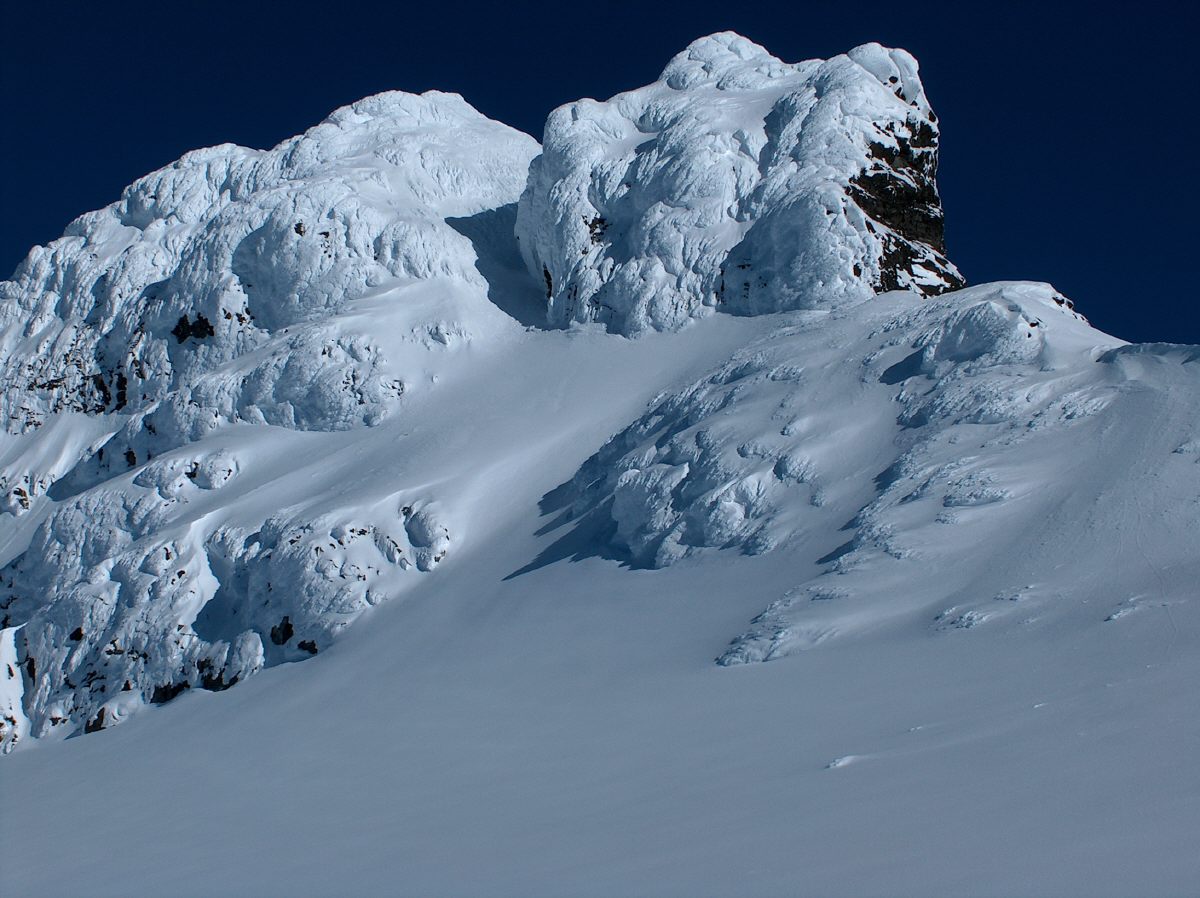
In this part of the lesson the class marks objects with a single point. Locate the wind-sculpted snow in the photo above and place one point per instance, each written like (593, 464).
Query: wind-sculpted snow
(129, 594)
(266, 391)
(934, 441)
(738, 182)
(1031, 453)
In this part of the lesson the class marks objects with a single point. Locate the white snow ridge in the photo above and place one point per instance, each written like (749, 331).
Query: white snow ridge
(692, 382)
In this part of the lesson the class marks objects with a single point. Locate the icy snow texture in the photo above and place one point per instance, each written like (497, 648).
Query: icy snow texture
(733, 459)
(235, 255)
(739, 182)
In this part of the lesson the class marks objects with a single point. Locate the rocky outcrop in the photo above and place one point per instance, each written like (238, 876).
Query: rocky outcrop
(738, 182)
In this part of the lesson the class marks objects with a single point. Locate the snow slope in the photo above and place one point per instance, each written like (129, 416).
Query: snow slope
(961, 529)
(565, 730)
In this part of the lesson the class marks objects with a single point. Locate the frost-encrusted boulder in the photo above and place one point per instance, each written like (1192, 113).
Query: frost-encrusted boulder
(740, 182)
(686, 476)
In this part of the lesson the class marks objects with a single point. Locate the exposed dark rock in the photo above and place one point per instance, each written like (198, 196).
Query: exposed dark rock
(307, 645)
(122, 391)
(900, 193)
(77, 634)
(163, 694)
(199, 329)
(96, 723)
(102, 389)
(283, 631)
(596, 228)
(213, 681)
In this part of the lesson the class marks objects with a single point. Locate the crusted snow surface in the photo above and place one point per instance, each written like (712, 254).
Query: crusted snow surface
(739, 182)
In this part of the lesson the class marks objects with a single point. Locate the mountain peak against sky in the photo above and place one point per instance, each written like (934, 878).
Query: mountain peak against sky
(317, 287)
(739, 182)
(368, 401)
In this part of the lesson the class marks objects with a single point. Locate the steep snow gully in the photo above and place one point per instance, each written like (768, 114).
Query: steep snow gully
(693, 380)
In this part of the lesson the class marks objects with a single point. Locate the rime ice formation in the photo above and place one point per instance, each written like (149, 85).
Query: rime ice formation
(266, 391)
(182, 293)
(745, 455)
(304, 288)
(738, 182)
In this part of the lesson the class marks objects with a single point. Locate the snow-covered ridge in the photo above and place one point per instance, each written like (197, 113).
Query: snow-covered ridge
(243, 403)
(738, 182)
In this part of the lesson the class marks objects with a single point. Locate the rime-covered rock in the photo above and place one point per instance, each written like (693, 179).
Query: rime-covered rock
(224, 294)
(738, 182)
(204, 294)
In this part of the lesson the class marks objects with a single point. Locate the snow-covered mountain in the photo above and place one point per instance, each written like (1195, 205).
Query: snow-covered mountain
(694, 381)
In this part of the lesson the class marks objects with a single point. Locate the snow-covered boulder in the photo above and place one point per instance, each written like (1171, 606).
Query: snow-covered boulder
(738, 182)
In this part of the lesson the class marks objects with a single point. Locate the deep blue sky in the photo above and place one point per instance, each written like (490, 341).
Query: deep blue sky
(1069, 133)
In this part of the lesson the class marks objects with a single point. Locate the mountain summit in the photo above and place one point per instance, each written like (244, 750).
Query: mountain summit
(741, 183)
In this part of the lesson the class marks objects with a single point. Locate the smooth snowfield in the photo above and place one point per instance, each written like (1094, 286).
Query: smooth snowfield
(565, 731)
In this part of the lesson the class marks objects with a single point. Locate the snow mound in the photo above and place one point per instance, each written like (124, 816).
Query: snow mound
(1028, 451)
(738, 182)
